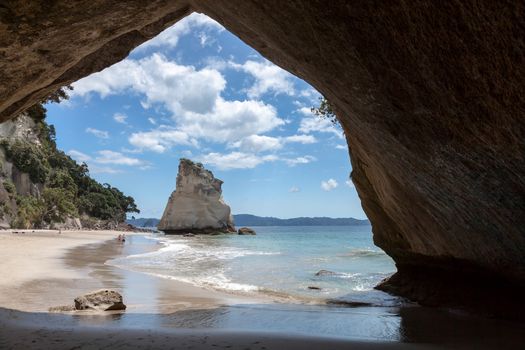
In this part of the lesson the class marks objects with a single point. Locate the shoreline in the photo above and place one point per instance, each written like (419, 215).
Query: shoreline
(74, 263)
(144, 292)
(43, 269)
(36, 254)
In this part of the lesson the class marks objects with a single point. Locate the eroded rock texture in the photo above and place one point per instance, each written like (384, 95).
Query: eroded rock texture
(47, 44)
(196, 205)
(101, 300)
(430, 95)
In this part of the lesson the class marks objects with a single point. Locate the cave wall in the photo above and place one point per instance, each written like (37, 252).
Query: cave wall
(47, 44)
(430, 94)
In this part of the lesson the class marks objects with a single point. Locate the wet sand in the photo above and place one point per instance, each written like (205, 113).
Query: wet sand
(29, 331)
(43, 269)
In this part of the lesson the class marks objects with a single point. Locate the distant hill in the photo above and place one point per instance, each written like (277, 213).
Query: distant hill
(143, 222)
(253, 220)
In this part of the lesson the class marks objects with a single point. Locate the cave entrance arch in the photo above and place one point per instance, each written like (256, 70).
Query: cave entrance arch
(403, 81)
(158, 73)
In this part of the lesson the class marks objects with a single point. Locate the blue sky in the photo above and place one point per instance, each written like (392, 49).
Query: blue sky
(197, 91)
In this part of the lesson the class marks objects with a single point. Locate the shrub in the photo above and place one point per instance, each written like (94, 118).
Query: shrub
(5, 209)
(60, 178)
(29, 159)
(9, 187)
(59, 204)
(29, 213)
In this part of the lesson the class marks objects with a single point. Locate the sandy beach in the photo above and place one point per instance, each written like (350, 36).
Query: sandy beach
(43, 269)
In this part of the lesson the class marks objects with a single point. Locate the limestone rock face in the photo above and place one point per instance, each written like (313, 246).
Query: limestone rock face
(101, 300)
(196, 205)
(430, 95)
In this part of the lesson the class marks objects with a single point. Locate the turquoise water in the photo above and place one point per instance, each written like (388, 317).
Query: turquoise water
(279, 261)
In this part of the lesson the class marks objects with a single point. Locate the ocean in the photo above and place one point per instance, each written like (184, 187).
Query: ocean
(280, 261)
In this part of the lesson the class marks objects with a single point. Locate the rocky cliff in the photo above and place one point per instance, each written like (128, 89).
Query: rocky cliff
(196, 205)
(13, 181)
(430, 94)
(42, 187)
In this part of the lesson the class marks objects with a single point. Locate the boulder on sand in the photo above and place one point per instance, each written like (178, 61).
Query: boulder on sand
(101, 300)
(246, 231)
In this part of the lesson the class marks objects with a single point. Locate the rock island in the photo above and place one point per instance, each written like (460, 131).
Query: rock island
(196, 205)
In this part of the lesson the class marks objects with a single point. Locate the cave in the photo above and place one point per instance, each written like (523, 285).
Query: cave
(430, 96)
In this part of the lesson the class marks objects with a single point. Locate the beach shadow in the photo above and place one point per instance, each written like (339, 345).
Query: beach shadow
(411, 325)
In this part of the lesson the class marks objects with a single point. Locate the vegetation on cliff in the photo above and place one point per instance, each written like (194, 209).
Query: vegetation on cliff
(325, 110)
(67, 190)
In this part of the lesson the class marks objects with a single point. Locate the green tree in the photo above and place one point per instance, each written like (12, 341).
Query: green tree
(59, 204)
(61, 178)
(9, 187)
(29, 212)
(28, 158)
(38, 111)
(325, 111)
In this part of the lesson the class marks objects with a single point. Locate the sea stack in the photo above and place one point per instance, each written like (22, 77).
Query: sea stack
(196, 205)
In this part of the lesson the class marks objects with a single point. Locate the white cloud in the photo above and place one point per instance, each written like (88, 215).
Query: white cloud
(192, 96)
(249, 159)
(294, 189)
(101, 134)
(117, 158)
(160, 139)
(169, 38)
(312, 123)
(310, 94)
(105, 157)
(268, 78)
(261, 143)
(256, 144)
(329, 185)
(78, 156)
(304, 139)
(299, 160)
(120, 118)
(178, 87)
(235, 160)
(349, 183)
(230, 121)
(95, 169)
(205, 39)
(343, 147)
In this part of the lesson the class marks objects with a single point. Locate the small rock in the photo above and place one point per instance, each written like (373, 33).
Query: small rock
(314, 287)
(347, 303)
(246, 231)
(102, 300)
(189, 234)
(325, 273)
